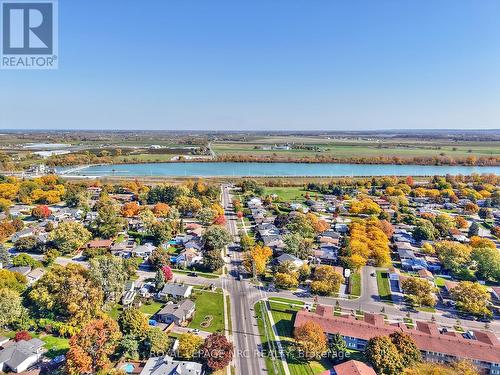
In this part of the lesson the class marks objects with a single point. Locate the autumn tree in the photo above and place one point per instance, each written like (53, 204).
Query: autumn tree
(419, 291)
(384, 356)
(159, 257)
(311, 340)
(246, 241)
(326, 280)
(70, 236)
(463, 367)
(41, 212)
(477, 242)
(157, 342)
(22, 336)
(108, 222)
(212, 260)
(110, 274)
(407, 348)
(133, 322)
(487, 262)
(472, 298)
(286, 280)
(90, 349)
(167, 273)
(297, 245)
(10, 306)
(189, 345)
(67, 292)
(256, 259)
(216, 238)
(130, 209)
(12, 280)
(454, 256)
(161, 209)
(217, 351)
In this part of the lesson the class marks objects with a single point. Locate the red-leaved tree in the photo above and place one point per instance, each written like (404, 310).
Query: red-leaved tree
(167, 273)
(22, 335)
(217, 351)
(220, 220)
(41, 212)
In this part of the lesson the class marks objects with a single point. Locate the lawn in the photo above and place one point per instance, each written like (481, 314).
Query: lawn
(283, 318)
(152, 308)
(383, 285)
(55, 345)
(208, 304)
(355, 280)
(290, 194)
(287, 300)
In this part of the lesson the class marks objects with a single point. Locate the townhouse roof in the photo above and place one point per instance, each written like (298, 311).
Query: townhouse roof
(483, 347)
(352, 367)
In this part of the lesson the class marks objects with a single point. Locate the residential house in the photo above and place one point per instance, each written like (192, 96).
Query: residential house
(19, 356)
(166, 365)
(143, 251)
(128, 297)
(171, 290)
(19, 210)
(34, 275)
(178, 313)
(326, 255)
(495, 292)
(341, 228)
(23, 270)
(124, 248)
(187, 258)
(297, 263)
(425, 274)
(66, 213)
(26, 232)
(99, 244)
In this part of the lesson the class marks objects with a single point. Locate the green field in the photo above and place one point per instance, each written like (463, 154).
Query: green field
(290, 194)
(208, 304)
(383, 285)
(353, 149)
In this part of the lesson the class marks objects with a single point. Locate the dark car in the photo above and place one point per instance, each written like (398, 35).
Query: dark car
(193, 274)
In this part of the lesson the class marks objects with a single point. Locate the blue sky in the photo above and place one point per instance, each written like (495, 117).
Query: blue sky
(265, 65)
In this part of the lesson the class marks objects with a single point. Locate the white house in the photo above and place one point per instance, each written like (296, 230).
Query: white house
(175, 291)
(21, 355)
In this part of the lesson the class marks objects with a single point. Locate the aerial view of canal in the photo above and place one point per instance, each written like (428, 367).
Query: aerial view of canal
(220, 169)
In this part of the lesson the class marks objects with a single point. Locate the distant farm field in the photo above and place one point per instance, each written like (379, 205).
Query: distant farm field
(349, 150)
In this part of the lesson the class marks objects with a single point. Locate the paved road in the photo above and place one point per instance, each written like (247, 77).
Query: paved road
(243, 296)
